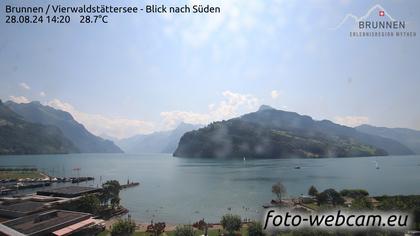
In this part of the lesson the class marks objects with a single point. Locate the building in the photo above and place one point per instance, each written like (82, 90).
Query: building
(69, 191)
(19, 208)
(54, 222)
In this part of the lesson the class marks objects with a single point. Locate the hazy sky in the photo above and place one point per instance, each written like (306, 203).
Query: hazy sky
(142, 73)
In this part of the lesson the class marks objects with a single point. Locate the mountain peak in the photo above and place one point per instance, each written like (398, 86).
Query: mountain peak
(265, 107)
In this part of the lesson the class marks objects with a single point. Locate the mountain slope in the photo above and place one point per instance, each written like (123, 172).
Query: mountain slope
(270, 133)
(18, 136)
(307, 126)
(408, 137)
(158, 142)
(86, 142)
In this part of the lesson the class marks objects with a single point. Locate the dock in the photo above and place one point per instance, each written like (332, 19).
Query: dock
(129, 185)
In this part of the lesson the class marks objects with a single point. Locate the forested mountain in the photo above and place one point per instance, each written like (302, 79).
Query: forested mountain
(85, 141)
(271, 133)
(408, 137)
(17, 136)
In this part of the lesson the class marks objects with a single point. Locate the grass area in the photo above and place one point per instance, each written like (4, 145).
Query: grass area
(211, 232)
(20, 174)
(311, 205)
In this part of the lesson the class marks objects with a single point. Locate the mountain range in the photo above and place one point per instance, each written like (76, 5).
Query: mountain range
(158, 142)
(271, 133)
(408, 137)
(18, 136)
(83, 140)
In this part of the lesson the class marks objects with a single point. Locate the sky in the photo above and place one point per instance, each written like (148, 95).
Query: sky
(142, 73)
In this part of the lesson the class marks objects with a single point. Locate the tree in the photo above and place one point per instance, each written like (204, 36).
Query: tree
(361, 203)
(255, 229)
(354, 193)
(184, 231)
(312, 191)
(123, 228)
(330, 196)
(278, 189)
(322, 198)
(115, 201)
(231, 223)
(88, 203)
(110, 193)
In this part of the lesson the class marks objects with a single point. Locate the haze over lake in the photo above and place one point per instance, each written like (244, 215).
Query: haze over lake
(180, 190)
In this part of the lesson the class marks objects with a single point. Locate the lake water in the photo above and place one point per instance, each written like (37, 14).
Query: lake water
(178, 190)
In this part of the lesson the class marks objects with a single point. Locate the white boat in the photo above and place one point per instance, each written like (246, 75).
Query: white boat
(377, 165)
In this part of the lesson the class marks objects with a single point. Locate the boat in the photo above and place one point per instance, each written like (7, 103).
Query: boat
(244, 159)
(297, 167)
(377, 166)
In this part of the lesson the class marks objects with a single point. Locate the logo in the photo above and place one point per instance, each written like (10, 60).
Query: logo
(376, 23)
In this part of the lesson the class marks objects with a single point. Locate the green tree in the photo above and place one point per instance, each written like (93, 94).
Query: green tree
(88, 203)
(110, 193)
(354, 193)
(312, 191)
(123, 228)
(330, 196)
(184, 231)
(361, 203)
(255, 229)
(278, 189)
(231, 223)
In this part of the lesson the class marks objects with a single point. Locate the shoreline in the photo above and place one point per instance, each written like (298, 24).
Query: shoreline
(141, 226)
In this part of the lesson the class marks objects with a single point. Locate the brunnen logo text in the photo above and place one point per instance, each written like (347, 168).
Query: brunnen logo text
(382, 28)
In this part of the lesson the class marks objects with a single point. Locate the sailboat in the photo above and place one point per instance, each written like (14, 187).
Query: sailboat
(376, 165)
(244, 158)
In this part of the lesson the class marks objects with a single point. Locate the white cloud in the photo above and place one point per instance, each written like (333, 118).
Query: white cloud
(236, 18)
(275, 94)
(231, 106)
(99, 124)
(351, 121)
(42, 94)
(19, 99)
(24, 86)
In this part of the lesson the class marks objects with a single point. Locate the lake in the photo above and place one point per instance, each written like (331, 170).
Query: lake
(178, 190)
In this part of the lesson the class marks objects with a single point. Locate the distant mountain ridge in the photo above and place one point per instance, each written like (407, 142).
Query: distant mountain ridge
(17, 136)
(85, 141)
(408, 137)
(158, 142)
(271, 133)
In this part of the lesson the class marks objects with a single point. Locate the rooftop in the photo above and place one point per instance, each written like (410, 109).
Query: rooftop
(46, 223)
(69, 191)
(20, 208)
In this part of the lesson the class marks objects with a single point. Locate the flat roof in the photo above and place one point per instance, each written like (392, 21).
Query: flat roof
(46, 222)
(21, 208)
(69, 191)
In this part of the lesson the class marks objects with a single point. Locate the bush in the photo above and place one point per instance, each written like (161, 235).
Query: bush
(184, 231)
(231, 223)
(255, 229)
(123, 228)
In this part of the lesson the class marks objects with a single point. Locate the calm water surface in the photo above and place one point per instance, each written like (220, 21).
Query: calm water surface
(178, 190)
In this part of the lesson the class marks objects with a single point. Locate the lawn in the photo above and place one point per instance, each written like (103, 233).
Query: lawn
(20, 174)
(211, 232)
